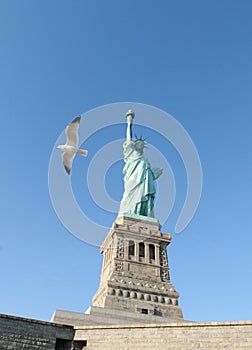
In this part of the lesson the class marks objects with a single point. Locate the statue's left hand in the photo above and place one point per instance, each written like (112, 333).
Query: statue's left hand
(129, 119)
(157, 172)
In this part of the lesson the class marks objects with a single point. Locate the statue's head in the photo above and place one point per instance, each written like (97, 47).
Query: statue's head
(139, 145)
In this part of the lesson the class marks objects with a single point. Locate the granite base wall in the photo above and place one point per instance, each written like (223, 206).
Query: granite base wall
(186, 336)
(17, 333)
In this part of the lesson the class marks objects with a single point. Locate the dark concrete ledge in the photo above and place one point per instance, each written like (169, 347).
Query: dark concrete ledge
(31, 320)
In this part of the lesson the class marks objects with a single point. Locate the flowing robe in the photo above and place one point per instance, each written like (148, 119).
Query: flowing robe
(139, 192)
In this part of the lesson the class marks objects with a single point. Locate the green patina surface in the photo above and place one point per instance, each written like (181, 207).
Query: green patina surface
(139, 177)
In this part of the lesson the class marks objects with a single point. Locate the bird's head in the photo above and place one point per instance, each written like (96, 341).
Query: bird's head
(59, 147)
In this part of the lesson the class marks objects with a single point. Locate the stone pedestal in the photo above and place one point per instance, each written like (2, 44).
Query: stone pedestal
(135, 273)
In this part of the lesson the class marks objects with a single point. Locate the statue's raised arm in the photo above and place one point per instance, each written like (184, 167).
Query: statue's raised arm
(139, 187)
(130, 115)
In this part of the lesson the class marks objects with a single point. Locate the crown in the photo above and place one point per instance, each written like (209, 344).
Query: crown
(140, 138)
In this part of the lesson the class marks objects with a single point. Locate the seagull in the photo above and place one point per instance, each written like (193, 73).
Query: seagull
(70, 149)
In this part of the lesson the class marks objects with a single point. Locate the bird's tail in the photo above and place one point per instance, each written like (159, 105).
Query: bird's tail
(83, 152)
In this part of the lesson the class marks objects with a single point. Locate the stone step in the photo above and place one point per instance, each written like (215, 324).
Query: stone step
(99, 316)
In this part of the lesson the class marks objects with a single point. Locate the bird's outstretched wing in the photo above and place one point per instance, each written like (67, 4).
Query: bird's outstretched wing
(72, 132)
(67, 159)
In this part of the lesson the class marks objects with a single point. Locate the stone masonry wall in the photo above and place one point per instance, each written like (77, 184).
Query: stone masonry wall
(17, 333)
(185, 336)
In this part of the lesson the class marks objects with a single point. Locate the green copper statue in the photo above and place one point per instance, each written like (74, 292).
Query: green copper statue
(139, 187)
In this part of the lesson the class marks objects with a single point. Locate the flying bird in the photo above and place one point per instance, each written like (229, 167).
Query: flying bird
(70, 149)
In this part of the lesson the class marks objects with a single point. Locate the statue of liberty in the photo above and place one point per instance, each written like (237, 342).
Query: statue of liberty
(139, 187)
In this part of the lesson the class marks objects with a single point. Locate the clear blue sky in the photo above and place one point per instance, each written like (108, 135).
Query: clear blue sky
(192, 59)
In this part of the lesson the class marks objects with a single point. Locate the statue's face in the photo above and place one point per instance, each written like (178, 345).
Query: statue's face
(139, 145)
